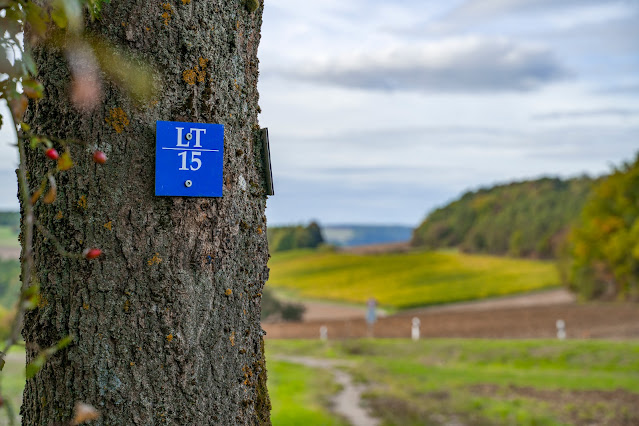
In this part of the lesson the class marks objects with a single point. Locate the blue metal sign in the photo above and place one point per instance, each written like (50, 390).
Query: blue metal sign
(189, 159)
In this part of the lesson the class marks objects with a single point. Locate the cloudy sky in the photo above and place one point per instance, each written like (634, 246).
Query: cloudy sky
(379, 111)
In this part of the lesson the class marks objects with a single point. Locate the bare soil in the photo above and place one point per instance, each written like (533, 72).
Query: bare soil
(9, 253)
(610, 320)
(322, 311)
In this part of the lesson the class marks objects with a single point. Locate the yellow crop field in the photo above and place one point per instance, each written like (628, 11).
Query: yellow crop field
(404, 280)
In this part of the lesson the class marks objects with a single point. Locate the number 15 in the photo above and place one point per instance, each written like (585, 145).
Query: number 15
(194, 160)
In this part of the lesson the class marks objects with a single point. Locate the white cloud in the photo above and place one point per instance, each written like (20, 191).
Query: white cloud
(562, 14)
(468, 64)
(587, 114)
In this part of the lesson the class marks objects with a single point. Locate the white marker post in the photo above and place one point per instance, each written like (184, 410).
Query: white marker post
(323, 333)
(561, 329)
(414, 332)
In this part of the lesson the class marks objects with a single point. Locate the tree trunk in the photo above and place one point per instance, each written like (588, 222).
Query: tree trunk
(166, 324)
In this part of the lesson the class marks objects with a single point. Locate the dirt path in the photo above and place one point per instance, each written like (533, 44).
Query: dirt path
(317, 311)
(346, 403)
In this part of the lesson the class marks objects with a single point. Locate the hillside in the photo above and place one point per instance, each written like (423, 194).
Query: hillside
(404, 280)
(526, 219)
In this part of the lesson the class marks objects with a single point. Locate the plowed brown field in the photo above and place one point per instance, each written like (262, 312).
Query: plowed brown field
(582, 321)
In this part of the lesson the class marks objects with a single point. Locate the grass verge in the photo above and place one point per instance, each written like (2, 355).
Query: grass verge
(446, 381)
(300, 395)
(488, 381)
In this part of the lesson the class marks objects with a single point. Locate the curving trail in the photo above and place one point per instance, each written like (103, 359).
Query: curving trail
(347, 403)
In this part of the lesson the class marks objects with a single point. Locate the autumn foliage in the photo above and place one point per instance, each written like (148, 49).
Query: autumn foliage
(604, 246)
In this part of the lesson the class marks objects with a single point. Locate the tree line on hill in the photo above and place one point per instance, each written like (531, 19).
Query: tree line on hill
(602, 255)
(522, 219)
(283, 238)
(590, 226)
(10, 219)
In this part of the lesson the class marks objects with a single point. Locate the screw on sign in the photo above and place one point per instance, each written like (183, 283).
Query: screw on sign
(189, 159)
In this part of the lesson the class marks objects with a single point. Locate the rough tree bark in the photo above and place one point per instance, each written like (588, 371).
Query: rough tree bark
(167, 321)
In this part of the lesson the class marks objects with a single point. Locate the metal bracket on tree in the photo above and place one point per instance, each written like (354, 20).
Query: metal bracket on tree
(266, 159)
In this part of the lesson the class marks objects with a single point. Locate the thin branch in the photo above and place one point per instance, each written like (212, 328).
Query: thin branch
(27, 240)
(56, 242)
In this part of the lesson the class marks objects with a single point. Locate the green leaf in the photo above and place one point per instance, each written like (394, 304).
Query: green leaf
(35, 366)
(95, 7)
(25, 127)
(36, 18)
(73, 13)
(29, 63)
(32, 88)
(30, 291)
(58, 15)
(35, 141)
(251, 5)
(131, 74)
(64, 342)
(65, 162)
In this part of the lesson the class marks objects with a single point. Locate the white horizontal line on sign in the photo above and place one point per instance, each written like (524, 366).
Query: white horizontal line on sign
(192, 149)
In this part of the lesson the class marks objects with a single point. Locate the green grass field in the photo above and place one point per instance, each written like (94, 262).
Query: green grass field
(404, 280)
(8, 237)
(444, 381)
(300, 395)
(489, 382)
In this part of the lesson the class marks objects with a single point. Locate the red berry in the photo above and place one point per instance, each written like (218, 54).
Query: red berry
(52, 154)
(99, 157)
(90, 254)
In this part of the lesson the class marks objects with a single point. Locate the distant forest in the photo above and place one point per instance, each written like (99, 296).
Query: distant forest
(294, 237)
(10, 219)
(523, 219)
